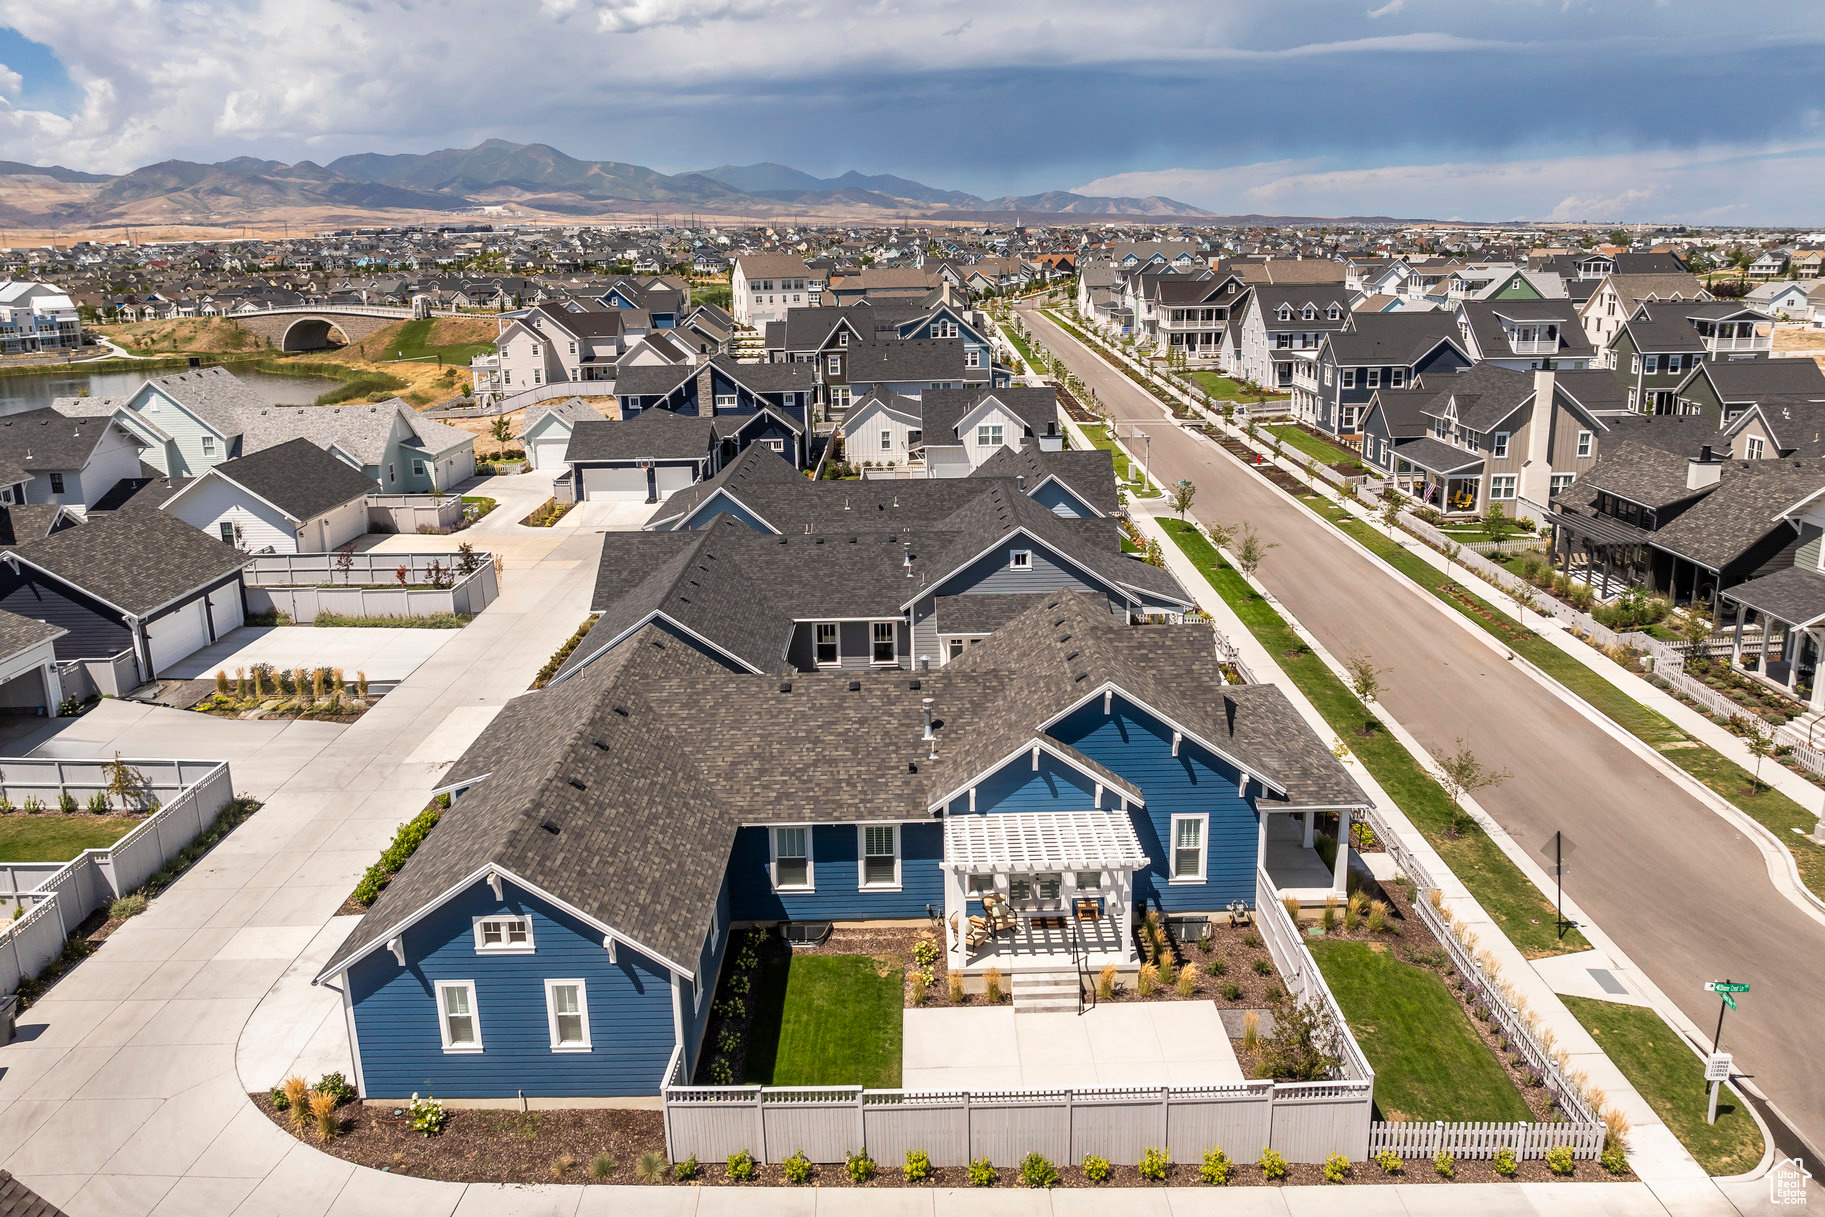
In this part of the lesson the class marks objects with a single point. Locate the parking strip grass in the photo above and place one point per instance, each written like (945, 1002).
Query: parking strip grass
(1126, 470)
(58, 838)
(1671, 1078)
(1429, 1062)
(1505, 893)
(827, 1020)
(1319, 450)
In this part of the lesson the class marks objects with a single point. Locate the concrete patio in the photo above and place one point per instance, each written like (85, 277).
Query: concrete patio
(384, 653)
(1181, 1043)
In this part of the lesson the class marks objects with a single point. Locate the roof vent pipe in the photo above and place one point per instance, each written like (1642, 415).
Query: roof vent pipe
(1020, 480)
(928, 718)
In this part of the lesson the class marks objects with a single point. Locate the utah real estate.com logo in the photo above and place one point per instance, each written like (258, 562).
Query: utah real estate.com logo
(1787, 1182)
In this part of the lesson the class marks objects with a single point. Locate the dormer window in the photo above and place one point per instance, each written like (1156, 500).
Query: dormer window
(1333, 313)
(1285, 313)
(1309, 314)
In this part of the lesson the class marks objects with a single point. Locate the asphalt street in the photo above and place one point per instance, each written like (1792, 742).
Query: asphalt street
(1682, 891)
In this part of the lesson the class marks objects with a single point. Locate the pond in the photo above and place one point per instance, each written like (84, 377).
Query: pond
(29, 391)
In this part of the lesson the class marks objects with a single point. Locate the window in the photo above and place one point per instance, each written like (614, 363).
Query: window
(1562, 481)
(457, 1023)
(535, 348)
(392, 476)
(973, 359)
(56, 483)
(1635, 365)
(504, 935)
(567, 1015)
(827, 652)
(944, 329)
(226, 527)
(842, 338)
(725, 401)
(1754, 449)
(1188, 848)
(1349, 378)
(1397, 377)
(836, 365)
(774, 445)
(880, 855)
(209, 445)
(886, 649)
(981, 885)
(956, 648)
(1501, 486)
(1374, 377)
(1020, 559)
(1584, 445)
(792, 859)
(418, 468)
(1088, 880)
(1499, 446)
(988, 436)
(886, 440)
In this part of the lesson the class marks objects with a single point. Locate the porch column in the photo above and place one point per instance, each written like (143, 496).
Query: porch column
(1340, 869)
(1126, 888)
(1816, 700)
(1736, 640)
(1261, 841)
(1790, 651)
(1308, 829)
(955, 905)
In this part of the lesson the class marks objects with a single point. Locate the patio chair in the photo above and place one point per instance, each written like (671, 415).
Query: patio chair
(1001, 918)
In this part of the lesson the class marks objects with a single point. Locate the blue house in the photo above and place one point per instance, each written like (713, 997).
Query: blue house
(560, 932)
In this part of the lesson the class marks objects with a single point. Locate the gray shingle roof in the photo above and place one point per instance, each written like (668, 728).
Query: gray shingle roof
(1642, 474)
(1486, 317)
(298, 478)
(18, 633)
(135, 560)
(942, 409)
(1089, 473)
(649, 435)
(912, 359)
(1390, 339)
(37, 441)
(1747, 380)
(651, 379)
(1794, 595)
(1740, 510)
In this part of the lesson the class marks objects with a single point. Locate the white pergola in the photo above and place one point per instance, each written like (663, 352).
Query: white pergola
(1066, 843)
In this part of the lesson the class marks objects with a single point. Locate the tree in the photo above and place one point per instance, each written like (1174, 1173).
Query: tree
(1495, 523)
(1390, 514)
(127, 785)
(345, 560)
(1451, 549)
(1525, 599)
(501, 430)
(1304, 1044)
(1462, 773)
(1365, 682)
(1181, 497)
(1760, 743)
(1695, 629)
(1252, 549)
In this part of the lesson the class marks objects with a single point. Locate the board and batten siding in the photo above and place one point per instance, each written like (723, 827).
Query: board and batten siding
(95, 630)
(836, 851)
(397, 1025)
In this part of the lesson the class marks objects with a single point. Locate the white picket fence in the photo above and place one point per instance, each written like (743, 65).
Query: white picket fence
(1414, 1140)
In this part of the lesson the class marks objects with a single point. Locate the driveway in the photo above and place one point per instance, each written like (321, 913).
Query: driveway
(1682, 891)
(385, 653)
(618, 515)
(1119, 1044)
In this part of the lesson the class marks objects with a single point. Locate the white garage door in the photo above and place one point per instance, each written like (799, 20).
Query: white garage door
(614, 484)
(176, 635)
(548, 452)
(673, 478)
(225, 609)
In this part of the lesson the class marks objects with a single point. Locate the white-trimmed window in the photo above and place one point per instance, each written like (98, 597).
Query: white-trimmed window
(1189, 846)
(972, 358)
(988, 436)
(1020, 559)
(792, 859)
(886, 440)
(835, 365)
(981, 885)
(1397, 377)
(503, 935)
(828, 653)
(209, 445)
(880, 856)
(944, 329)
(1499, 445)
(1501, 486)
(457, 1021)
(1753, 449)
(227, 526)
(1563, 481)
(1374, 377)
(1584, 445)
(567, 1015)
(1349, 378)
(886, 643)
(725, 401)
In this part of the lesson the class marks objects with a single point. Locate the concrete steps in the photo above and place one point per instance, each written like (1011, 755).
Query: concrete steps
(1045, 992)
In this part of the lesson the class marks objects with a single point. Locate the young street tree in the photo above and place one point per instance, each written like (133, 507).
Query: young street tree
(1760, 743)
(1252, 549)
(1182, 495)
(1451, 549)
(1365, 683)
(1524, 599)
(501, 430)
(1462, 773)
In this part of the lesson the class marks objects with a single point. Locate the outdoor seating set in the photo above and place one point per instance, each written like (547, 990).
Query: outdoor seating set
(998, 917)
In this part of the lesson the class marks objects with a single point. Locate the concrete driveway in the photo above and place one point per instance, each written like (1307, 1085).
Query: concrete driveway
(1179, 1043)
(384, 653)
(620, 515)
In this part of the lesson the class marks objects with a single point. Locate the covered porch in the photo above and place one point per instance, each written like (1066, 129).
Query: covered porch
(1790, 605)
(1288, 853)
(1608, 554)
(1439, 475)
(1040, 891)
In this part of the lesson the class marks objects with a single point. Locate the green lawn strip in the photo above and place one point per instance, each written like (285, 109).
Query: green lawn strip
(827, 1020)
(1498, 884)
(1429, 1062)
(412, 344)
(1319, 450)
(1221, 387)
(1127, 471)
(29, 838)
(1026, 351)
(1766, 805)
(1670, 1077)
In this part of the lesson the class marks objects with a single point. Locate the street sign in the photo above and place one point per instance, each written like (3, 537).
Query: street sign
(1728, 1000)
(1717, 1067)
(1725, 986)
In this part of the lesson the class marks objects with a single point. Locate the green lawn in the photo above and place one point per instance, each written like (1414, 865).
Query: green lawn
(1126, 471)
(412, 344)
(1671, 1078)
(1319, 450)
(1218, 386)
(29, 838)
(827, 1020)
(1524, 914)
(1021, 345)
(1429, 1063)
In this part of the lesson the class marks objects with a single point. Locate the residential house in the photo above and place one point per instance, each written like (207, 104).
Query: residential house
(1616, 297)
(37, 317)
(1721, 391)
(1784, 301)
(291, 498)
(1378, 350)
(1805, 263)
(952, 431)
(649, 456)
(547, 429)
(764, 286)
(1282, 328)
(1524, 334)
(30, 684)
(65, 458)
(1777, 426)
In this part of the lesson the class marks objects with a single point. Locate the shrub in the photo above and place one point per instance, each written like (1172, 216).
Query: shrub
(956, 986)
(1096, 1169)
(428, 1115)
(1231, 991)
(1263, 968)
(1336, 1168)
(409, 837)
(982, 1173)
(1148, 980)
(721, 1072)
(337, 1085)
(991, 986)
(1036, 1170)
(32, 805)
(1215, 967)
(1291, 905)
(925, 953)
(1251, 1030)
(651, 1166)
(1505, 1163)
(1216, 1167)
(741, 1166)
(1328, 918)
(1378, 917)
(66, 802)
(297, 1100)
(1614, 1161)
(98, 804)
(279, 1100)
(130, 905)
(1445, 1165)
(860, 1166)
(921, 984)
(1559, 1160)
(1390, 1162)
(1105, 982)
(323, 1111)
(1206, 943)
(918, 1166)
(601, 1166)
(1251, 941)
(1154, 1164)
(562, 1165)
(1187, 983)
(1273, 1164)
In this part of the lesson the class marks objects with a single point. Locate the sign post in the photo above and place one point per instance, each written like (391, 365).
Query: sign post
(1558, 851)
(1717, 1065)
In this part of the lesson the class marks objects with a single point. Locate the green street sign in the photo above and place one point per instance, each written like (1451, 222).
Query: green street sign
(1725, 986)
(1728, 1000)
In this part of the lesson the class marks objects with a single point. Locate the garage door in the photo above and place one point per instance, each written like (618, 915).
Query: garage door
(673, 478)
(225, 609)
(176, 635)
(614, 484)
(548, 452)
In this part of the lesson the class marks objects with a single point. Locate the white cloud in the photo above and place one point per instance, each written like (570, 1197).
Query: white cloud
(1387, 10)
(10, 82)
(1773, 184)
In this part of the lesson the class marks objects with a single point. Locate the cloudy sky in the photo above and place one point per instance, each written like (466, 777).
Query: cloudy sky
(1628, 110)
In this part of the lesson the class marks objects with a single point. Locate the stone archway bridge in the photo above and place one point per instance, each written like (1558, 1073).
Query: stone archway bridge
(308, 327)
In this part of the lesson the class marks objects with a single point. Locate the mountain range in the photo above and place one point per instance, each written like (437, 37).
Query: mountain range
(517, 180)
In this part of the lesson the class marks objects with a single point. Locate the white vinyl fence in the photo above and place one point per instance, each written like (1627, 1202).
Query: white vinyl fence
(410, 513)
(57, 896)
(304, 585)
(114, 675)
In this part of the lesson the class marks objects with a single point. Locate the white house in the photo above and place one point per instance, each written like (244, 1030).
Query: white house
(884, 429)
(37, 317)
(292, 498)
(764, 286)
(69, 461)
(547, 429)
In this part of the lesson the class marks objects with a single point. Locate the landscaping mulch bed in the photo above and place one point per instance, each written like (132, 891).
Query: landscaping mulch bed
(1266, 469)
(558, 1146)
(1073, 408)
